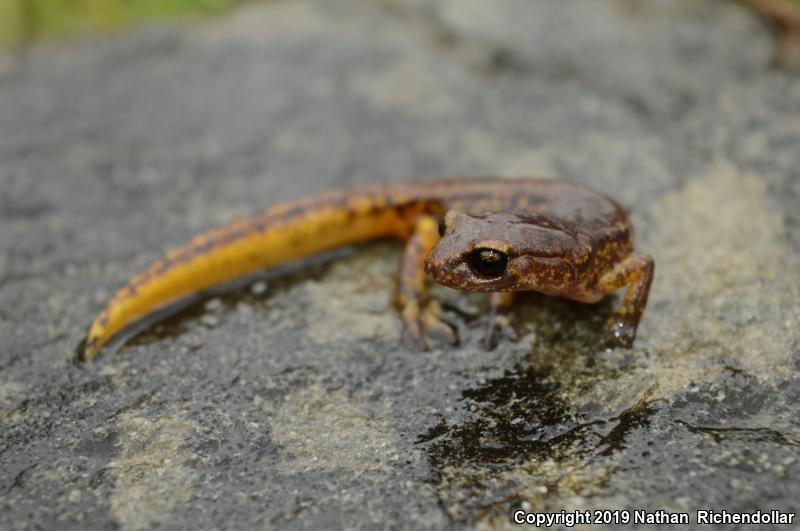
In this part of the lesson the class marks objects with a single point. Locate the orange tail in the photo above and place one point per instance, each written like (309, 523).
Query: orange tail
(280, 234)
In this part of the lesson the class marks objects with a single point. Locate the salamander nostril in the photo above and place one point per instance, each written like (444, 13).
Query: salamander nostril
(488, 263)
(442, 227)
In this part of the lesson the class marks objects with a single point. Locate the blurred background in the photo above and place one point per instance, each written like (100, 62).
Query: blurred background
(25, 21)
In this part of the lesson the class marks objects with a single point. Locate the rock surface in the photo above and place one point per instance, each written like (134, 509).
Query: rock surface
(296, 404)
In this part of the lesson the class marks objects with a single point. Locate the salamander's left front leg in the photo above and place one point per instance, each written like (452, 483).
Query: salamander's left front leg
(636, 272)
(498, 319)
(420, 315)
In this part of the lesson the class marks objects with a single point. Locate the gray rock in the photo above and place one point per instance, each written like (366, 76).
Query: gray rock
(301, 407)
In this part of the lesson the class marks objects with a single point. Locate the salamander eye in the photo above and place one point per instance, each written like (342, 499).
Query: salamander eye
(488, 263)
(442, 227)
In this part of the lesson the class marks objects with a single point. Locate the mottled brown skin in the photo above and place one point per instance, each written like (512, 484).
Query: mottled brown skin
(550, 236)
(556, 238)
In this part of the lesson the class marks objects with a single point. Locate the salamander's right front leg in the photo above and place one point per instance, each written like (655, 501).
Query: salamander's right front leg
(636, 272)
(419, 314)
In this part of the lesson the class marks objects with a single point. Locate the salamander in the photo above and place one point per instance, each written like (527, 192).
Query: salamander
(496, 235)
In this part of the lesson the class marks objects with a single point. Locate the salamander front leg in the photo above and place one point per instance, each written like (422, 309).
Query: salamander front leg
(419, 314)
(636, 272)
(498, 319)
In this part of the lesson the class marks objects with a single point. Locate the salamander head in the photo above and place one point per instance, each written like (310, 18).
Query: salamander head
(506, 251)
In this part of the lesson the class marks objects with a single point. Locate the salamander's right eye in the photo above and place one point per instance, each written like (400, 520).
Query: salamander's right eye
(488, 263)
(442, 227)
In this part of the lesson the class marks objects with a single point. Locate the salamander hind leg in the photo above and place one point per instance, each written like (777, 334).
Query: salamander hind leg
(420, 315)
(636, 272)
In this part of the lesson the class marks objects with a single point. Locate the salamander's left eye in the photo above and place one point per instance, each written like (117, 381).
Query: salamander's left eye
(488, 263)
(442, 227)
